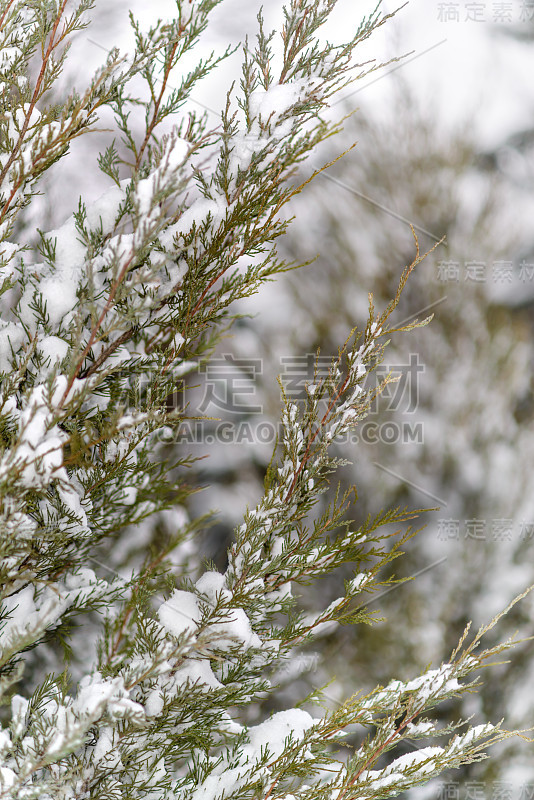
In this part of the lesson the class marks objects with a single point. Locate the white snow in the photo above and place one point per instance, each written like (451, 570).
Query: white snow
(12, 335)
(58, 285)
(59, 288)
(413, 729)
(40, 451)
(197, 214)
(213, 584)
(29, 613)
(7, 777)
(96, 693)
(423, 760)
(274, 731)
(236, 630)
(471, 736)
(154, 703)
(129, 495)
(53, 348)
(104, 211)
(359, 581)
(274, 102)
(198, 671)
(174, 157)
(180, 614)
(435, 682)
(106, 747)
(227, 777)
(417, 758)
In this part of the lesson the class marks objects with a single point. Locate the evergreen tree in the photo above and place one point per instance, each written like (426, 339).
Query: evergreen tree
(100, 322)
(465, 389)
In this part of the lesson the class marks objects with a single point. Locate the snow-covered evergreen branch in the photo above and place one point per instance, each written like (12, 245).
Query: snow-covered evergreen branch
(117, 305)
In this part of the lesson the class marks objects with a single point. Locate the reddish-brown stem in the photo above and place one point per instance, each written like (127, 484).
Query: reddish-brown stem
(306, 455)
(372, 758)
(96, 328)
(2, 18)
(292, 48)
(210, 285)
(52, 44)
(39, 157)
(120, 632)
(157, 103)
(154, 563)
(107, 352)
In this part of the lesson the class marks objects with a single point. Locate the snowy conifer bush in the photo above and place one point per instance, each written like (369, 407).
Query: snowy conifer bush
(98, 324)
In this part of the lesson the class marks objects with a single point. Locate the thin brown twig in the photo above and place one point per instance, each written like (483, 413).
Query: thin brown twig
(52, 44)
(378, 752)
(2, 18)
(96, 327)
(157, 103)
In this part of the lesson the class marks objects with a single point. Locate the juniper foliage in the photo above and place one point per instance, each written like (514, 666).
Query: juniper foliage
(98, 324)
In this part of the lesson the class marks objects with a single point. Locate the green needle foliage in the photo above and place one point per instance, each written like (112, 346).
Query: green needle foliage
(99, 324)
